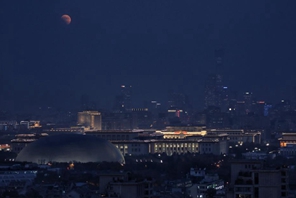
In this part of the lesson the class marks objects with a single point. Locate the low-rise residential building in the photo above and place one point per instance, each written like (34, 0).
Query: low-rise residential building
(209, 181)
(255, 155)
(123, 186)
(250, 179)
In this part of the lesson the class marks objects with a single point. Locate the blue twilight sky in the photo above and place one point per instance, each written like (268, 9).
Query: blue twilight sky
(154, 45)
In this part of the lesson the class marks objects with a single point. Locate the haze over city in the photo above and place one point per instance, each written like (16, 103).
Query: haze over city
(147, 99)
(155, 46)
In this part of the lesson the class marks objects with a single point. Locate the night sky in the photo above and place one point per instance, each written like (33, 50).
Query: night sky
(154, 45)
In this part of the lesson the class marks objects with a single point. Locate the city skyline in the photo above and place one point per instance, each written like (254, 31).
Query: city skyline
(155, 47)
(145, 99)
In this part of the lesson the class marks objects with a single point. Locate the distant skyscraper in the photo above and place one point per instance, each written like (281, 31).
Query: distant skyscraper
(214, 90)
(224, 98)
(178, 100)
(248, 98)
(267, 108)
(123, 101)
(126, 92)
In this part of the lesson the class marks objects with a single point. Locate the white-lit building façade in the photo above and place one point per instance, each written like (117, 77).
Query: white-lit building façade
(179, 140)
(174, 140)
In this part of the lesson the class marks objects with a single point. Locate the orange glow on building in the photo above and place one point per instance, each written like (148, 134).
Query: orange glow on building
(180, 132)
(283, 144)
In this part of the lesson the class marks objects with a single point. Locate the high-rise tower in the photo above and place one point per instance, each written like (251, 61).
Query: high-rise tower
(213, 91)
(123, 101)
(214, 87)
(126, 92)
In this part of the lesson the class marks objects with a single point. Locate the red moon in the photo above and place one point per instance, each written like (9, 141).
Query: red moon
(66, 18)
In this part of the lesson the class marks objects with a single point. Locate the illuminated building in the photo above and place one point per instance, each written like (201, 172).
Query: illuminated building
(287, 139)
(175, 113)
(30, 124)
(174, 146)
(22, 140)
(5, 147)
(288, 144)
(168, 146)
(77, 129)
(208, 144)
(175, 132)
(141, 142)
(90, 119)
(181, 134)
